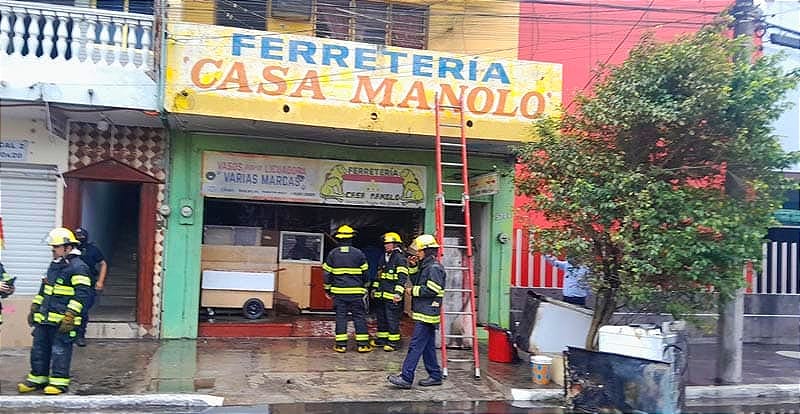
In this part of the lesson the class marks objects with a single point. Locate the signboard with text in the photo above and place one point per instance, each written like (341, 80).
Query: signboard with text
(14, 150)
(257, 75)
(307, 180)
(484, 184)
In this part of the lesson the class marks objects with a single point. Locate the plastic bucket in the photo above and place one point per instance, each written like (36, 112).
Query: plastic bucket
(540, 369)
(500, 349)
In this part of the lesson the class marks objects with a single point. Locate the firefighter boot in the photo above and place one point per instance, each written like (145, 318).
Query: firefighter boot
(340, 349)
(389, 348)
(27, 386)
(364, 349)
(54, 390)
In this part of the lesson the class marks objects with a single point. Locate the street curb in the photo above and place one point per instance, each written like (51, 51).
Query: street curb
(695, 395)
(111, 401)
(699, 395)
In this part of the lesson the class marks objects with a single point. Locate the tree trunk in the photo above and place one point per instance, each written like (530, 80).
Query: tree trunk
(604, 306)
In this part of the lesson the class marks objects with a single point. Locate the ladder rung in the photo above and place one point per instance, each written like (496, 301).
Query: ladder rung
(450, 125)
(455, 225)
(455, 268)
(453, 184)
(460, 360)
(459, 336)
(455, 246)
(458, 290)
(457, 313)
(454, 204)
(453, 164)
(449, 107)
(451, 144)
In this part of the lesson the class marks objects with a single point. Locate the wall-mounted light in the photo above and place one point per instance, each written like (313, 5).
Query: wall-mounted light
(102, 125)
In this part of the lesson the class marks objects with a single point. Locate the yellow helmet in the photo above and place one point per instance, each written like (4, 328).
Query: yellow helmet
(61, 236)
(345, 232)
(392, 237)
(425, 241)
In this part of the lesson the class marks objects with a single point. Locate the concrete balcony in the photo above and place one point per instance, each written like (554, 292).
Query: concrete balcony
(74, 55)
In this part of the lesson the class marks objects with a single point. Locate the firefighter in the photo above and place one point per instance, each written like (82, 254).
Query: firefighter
(6, 288)
(427, 295)
(93, 257)
(55, 314)
(345, 272)
(388, 289)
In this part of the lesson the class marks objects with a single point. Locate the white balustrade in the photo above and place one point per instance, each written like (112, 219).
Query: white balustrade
(75, 34)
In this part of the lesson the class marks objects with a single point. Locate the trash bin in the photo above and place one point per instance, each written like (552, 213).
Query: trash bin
(500, 346)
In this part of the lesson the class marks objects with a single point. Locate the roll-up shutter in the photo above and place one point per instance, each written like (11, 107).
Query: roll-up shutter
(28, 209)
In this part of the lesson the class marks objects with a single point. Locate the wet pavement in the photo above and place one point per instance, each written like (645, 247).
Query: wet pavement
(305, 370)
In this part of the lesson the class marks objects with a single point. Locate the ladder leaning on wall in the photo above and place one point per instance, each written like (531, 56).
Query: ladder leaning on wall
(464, 231)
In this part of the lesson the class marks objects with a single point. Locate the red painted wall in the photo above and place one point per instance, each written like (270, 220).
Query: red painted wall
(580, 35)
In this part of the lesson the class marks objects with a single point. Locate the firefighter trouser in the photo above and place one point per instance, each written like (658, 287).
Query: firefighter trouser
(50, 349)
(388, 314)
(422, 345)
(354, 304)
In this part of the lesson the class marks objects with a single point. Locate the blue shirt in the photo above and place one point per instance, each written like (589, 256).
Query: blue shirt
(575, 283)
(92, 255)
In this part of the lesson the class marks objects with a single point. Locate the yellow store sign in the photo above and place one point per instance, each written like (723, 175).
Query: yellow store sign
(228, 72)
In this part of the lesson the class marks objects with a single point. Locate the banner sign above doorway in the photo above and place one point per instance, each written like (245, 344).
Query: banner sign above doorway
(484, 184)
(257, 75)
(307, 180)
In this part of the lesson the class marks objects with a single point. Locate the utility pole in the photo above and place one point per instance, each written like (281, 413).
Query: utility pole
(730, 326)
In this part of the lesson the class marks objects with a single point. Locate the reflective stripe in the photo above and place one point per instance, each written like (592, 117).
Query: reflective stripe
(399, 289)
(413, 270)
(38, 317)
(402, 269)
(326, 287)
(63, 290)
(425, 318)
(38, 299)
(388, 295)
(6, 277)
(376, 294)
(394, 337)
(60, 382)
(345, 249)
(75, 305)
(341, 337)
(48, 290)
(362, 337)
(435, 287)
(388, 276)
(81, 280)
(77, 320)
(415, 291)
(383, 334)
(345, 270)
(375, 284)
(364, 266)
(54, 317)
(37, 379)
(326, 268)
(348, 290)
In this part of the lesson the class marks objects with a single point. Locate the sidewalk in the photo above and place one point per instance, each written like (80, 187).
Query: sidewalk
(259, 371)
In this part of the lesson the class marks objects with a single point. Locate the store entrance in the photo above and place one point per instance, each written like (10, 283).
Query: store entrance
(291, 241)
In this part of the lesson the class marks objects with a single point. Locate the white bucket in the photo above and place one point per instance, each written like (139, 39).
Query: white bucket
(540, 369)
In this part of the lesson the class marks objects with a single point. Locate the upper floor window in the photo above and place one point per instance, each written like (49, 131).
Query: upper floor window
(359, 20)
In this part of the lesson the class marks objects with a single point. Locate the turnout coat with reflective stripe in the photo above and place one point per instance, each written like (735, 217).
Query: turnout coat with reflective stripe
(66, 287)
(4, 277)
(345, 271)
(428, 291)
(392, 276)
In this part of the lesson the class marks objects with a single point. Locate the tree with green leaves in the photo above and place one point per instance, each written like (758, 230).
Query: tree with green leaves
(664, 180)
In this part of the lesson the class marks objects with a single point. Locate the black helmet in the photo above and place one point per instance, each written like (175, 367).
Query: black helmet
(82, 235)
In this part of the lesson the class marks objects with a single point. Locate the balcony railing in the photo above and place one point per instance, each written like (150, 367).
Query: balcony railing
(77, 35)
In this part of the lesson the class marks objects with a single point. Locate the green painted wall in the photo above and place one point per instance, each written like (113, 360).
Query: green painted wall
(181, 286)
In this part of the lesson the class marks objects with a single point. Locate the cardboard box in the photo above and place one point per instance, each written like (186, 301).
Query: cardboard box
(239, 254)
(294, 281)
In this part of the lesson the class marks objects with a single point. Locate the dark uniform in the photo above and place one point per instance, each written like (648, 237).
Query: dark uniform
(391, 281)
(91, 255)
(345, 273)
(65, 289)
(7, 279)
(427, 293)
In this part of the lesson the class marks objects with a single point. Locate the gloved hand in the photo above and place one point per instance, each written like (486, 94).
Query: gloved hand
(34, 309)
(68, 323)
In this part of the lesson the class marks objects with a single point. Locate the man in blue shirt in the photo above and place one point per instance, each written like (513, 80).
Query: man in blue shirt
(576, 285)
(93, 257)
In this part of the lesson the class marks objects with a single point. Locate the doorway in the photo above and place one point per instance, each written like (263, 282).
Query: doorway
(109, 212)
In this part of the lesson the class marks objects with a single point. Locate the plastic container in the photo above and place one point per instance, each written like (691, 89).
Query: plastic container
(540, 369)
(500, 348)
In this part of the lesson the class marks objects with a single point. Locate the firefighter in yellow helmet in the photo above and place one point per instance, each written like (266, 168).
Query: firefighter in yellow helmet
(55, 313)
(388, 291)
(345, 273)
(427, 294)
